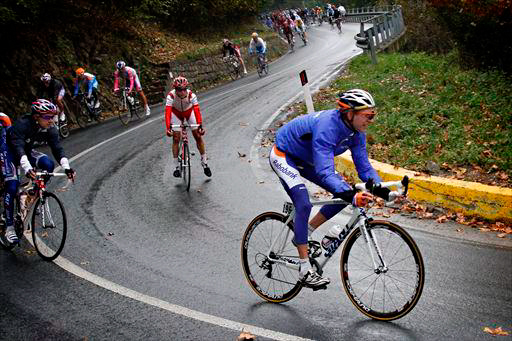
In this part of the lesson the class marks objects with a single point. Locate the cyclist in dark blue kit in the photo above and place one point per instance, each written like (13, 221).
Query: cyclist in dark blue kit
(305, 148)
(20, 137)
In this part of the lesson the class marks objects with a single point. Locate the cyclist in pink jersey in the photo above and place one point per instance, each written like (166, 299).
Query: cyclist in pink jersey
(180, 104)
(129, 73)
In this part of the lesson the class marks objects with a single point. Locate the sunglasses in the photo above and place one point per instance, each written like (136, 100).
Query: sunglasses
(47, 117)
(370, 117)
(181, 89)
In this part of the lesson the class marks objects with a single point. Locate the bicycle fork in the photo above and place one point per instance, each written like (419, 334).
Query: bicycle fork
(373, 248)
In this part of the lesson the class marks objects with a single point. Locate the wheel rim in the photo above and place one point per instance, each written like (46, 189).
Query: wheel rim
(272, 281)
(389, 294)
(49, 227)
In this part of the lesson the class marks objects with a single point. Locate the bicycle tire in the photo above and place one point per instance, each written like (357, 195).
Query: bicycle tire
(272, 281)
(185, 167)
(136, 109)
(49, 239)
(125, 115)
(260, 69)
(64, 131)
(367, 289)
(82, 118)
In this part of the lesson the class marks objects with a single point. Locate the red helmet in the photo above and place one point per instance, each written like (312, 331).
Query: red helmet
(180, 83)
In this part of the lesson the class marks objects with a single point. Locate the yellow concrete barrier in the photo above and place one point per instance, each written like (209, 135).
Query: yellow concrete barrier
(469, 198)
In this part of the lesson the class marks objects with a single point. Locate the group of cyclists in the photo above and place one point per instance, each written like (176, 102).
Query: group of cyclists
(17, 140)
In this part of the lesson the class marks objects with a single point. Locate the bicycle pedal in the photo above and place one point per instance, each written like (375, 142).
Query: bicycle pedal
(323, 287)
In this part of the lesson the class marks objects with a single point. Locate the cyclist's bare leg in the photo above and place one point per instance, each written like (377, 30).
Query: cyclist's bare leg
(144, 99)
(176, 135)
(199, 141)
(317, 220)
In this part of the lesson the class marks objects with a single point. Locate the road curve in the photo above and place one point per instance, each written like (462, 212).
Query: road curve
(132, 224)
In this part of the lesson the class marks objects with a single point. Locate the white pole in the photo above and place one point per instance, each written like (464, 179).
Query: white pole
(307, 93)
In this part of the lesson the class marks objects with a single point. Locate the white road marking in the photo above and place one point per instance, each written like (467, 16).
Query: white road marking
(173, 308)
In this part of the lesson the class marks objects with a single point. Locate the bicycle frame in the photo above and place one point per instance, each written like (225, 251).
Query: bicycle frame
(358, 219)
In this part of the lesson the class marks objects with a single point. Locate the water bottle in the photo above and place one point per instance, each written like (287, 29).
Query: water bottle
(131, 100)
(331, 236)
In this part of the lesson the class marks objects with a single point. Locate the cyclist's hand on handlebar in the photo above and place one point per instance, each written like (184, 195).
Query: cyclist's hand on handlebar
(70, 173)
(31, 174)
(362, 199)
(201, 130)
(169, 132)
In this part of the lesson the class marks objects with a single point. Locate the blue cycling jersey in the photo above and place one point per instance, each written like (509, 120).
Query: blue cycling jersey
(316, 138)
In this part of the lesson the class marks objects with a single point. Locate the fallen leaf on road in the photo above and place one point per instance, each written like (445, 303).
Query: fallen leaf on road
(441, 219)
(459, 230)
(241, 154)
(261, 182)
(502, 235)
(245, 336)
(495, 331)
(484, 229)
(84, 263)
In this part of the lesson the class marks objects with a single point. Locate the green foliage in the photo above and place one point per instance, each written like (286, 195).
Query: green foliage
(432, 110)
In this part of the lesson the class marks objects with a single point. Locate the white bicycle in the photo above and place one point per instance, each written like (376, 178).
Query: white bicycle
(381, 266)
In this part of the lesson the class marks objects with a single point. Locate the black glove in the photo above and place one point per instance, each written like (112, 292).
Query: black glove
(70, 173)
(346, 195)
(382, 192)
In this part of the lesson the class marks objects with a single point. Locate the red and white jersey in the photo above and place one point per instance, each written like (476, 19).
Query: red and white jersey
(182, 107)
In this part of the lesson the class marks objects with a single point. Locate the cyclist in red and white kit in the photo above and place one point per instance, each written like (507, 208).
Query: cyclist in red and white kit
(182, 104)
(129, 73)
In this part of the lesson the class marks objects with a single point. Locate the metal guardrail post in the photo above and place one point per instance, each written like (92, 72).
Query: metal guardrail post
(371, 44)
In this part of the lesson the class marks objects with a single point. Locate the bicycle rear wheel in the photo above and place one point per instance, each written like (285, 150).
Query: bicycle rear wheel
(271, 280)
(383, 294)
(185, 166)
(63, 129)
(49, 226)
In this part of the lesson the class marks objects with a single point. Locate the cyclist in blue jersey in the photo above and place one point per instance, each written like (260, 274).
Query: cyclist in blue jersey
(91, 85)
(257, 45)
(305, 148)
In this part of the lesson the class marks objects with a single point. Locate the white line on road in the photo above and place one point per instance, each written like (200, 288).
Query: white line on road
(173, 308)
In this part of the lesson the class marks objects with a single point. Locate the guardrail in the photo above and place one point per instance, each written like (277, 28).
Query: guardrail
(387, 26)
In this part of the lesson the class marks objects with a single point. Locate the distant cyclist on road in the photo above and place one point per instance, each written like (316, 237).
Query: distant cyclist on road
(91, 85)
(130, 74)
(233, 50)
(257, 45)
(37, 126)
(305, 148)
(53, 90)
(180, 104)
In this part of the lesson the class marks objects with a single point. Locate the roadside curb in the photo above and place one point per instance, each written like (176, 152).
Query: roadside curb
(469, 198)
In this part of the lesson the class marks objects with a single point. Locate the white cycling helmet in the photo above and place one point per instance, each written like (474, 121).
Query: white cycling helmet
(46, 77)
(120, 64)
(356, 99)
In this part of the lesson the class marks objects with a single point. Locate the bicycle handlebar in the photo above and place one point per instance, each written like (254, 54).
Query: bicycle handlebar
(401, 185)
(185, 125)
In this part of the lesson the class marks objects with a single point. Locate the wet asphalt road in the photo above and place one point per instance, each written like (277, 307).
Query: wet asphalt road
(132, 223)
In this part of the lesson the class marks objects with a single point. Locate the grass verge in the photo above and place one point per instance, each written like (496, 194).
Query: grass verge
(434, 117)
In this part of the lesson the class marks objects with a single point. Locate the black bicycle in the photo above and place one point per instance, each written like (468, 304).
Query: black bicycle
(262, 66)
(48, 222)
(87, 110)
(129, 106)
(184, 152)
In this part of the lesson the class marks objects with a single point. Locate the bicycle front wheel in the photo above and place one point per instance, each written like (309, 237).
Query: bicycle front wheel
(384, 293)
(49, 226)
(272, 273)
(185, 166)
(136, 109)
(82, 117)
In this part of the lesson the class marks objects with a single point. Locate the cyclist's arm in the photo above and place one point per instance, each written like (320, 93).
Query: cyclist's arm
(17, 144)
(196, 109)
(91, 83)
(168, 111)
(361, 161)
(77, 86)
(116, 80)
(132, 81)
(54, 144)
